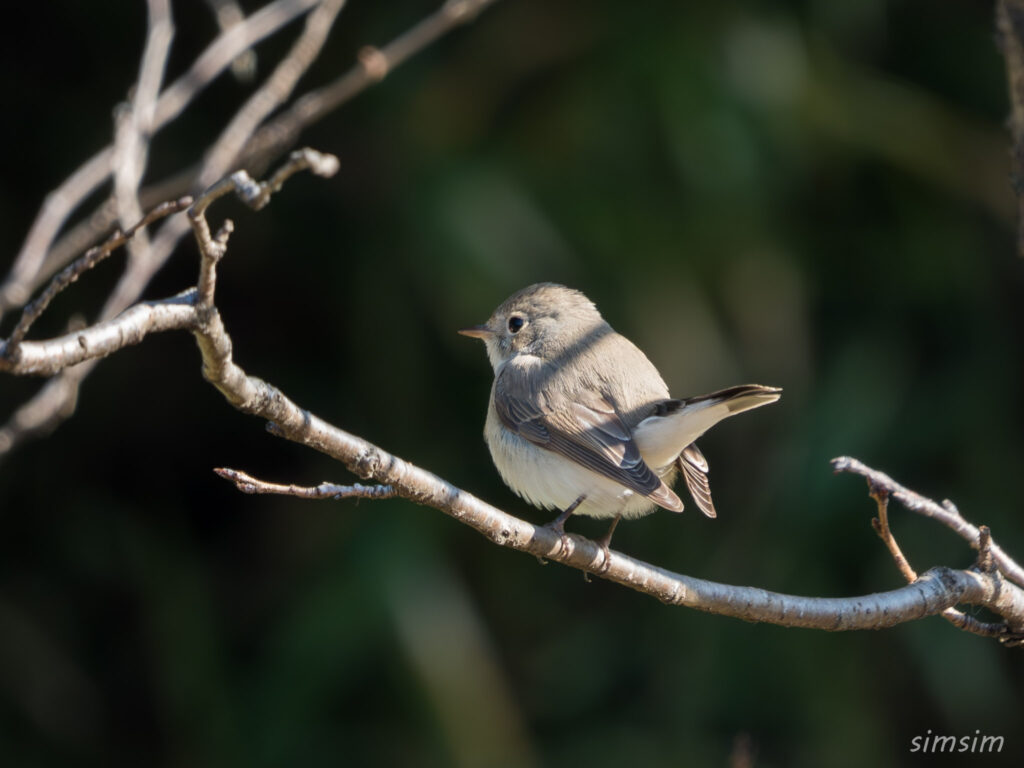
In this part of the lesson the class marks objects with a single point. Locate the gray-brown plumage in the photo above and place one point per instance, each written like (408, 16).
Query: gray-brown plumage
(580, 420)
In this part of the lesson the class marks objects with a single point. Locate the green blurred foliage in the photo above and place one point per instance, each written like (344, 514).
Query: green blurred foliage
(807, 194)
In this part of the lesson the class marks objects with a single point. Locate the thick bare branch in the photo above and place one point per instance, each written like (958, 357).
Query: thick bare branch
(930, 594)
(45, 358)
(933, 592)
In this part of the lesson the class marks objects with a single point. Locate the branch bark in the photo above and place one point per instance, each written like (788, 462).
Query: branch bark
(931, 593)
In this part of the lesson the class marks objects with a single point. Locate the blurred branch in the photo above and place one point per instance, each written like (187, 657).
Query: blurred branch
(135, 123)
(281, 132)
(1010, 32)
(931, 593)
(40, 256)
(228, 13)
(28, 271)
(245, 140)
(272, 94)
(374, 65)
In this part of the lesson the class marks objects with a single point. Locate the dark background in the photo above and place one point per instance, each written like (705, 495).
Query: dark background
(810, 194)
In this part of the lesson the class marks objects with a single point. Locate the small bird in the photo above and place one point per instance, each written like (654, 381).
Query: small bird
(581, 421)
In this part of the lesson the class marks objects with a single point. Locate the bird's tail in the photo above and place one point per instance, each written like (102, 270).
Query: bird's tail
(675, 424)
(735, 399)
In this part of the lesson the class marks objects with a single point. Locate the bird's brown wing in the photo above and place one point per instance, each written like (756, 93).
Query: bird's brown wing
(585, 428)
(695, 472)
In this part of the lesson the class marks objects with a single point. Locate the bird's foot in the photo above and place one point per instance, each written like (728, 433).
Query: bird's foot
(604, 543)
(557, 526)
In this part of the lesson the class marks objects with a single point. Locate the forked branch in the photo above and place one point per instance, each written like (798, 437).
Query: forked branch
(985, 563)
(945, 513)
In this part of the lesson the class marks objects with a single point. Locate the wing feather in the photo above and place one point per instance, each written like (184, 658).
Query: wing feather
(585, 428)
(695, 472)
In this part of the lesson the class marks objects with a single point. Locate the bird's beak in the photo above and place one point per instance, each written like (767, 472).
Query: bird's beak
(476, 331)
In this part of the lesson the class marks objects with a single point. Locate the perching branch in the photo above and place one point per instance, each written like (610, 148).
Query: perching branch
(931, 593)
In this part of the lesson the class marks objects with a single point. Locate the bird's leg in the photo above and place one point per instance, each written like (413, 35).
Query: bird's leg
(558, 524)
(604, 543)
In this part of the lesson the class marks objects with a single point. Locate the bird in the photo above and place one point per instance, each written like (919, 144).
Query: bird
(579, 420)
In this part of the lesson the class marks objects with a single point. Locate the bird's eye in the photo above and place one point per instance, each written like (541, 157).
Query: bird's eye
(515, 324)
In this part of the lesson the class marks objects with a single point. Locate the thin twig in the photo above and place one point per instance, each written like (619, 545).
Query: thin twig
(999, 630)
(255, 195)
(881, 526)
(946, 513)
(248, 484)
(985, 561)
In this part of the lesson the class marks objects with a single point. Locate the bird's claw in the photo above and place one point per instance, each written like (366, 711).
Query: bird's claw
(606, 559)
(563, 538)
